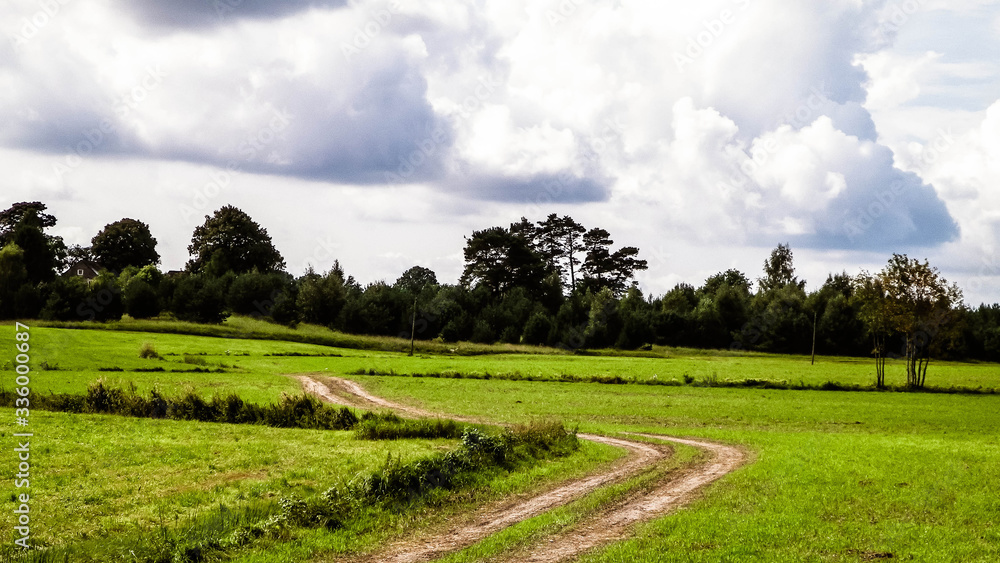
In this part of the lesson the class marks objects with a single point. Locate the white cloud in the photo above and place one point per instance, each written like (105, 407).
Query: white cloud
(767, 135)
(895, 79)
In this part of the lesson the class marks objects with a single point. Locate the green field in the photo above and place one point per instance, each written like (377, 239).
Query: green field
(836, 476)
(102, 483)
(98, 476)
(79, 354)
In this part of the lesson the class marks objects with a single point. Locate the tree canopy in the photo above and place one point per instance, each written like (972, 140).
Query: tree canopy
(125, 243)
(911, 299)
(230, 241)
(779, 270)
(12, 216)
(416, 279)
(40, 259)
(500, 261)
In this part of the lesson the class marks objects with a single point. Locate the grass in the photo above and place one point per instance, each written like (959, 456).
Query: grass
(102, 476)
(240, 327)
(255, 369)
(105, 481)
(837, 476)
(680, 366)
(366, 536)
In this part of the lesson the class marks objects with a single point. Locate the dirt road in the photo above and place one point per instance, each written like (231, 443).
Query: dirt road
(611, 524)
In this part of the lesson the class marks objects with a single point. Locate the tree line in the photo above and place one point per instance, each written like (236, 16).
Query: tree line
(550, 282)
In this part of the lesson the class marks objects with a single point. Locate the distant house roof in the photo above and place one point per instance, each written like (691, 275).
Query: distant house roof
(87, 269)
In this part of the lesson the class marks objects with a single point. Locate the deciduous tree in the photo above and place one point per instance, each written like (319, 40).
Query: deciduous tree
(911, 299)
(779, 270)
(924, 310)
(230, 241)
(13, 275)
(125, 243)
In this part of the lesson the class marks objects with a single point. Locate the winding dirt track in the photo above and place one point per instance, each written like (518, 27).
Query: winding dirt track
(611, 524)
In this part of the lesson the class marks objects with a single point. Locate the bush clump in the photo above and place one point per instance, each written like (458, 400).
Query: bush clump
(391, 427)
(292, 411)
(148, 352)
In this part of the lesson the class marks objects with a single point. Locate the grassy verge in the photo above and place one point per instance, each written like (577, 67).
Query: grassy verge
(320, 547)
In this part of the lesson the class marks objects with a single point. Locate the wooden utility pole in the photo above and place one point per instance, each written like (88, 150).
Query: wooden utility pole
(815, 319)
(413, 326)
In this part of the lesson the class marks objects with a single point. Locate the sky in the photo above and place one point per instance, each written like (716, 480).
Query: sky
(380, 133)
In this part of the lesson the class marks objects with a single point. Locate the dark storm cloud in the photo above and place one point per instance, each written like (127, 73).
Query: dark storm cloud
(539, 189)
(384, 131)
(209, 13)
(895, 210)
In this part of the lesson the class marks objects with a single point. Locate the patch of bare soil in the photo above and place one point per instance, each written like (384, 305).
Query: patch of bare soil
(612, 524)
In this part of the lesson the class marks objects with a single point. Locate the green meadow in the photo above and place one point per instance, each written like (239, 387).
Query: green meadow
(101, 476)
(104, 484)
(835, 476)
(231, 353)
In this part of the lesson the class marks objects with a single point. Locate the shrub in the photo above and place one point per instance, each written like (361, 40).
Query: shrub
(199, 298)
(141, 300)
(190, 406)
(537, 330)
(392, 427)
(148, 352)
